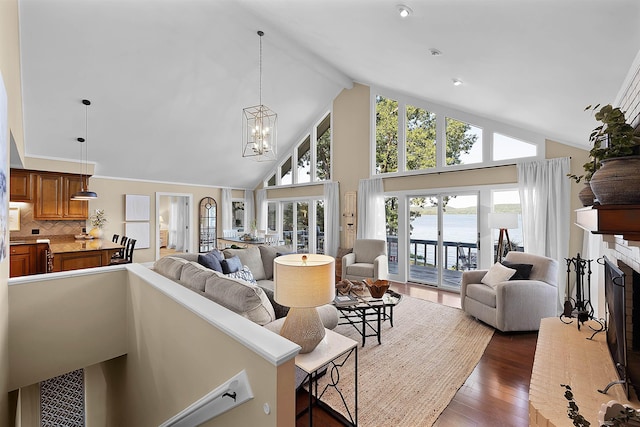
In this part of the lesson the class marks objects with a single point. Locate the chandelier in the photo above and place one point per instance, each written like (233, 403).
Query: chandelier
(259, 126)
(85, 193)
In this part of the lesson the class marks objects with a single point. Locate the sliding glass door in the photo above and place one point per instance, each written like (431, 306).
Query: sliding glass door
(443, 236)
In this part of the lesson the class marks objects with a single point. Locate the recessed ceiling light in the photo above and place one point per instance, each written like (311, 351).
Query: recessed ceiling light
(457, 82)
(434, 52)
(404, 10)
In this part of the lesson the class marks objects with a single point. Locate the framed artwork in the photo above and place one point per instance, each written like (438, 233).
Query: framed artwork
(138, 231)
(14, 219)
(136, 207)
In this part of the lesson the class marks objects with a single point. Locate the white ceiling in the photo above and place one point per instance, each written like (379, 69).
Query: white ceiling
(168, 78)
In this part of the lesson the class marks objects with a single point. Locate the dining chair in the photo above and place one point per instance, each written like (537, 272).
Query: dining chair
(115, 238)
(128, 254)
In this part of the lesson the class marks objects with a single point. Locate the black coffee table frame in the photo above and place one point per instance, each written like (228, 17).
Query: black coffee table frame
(368, 314)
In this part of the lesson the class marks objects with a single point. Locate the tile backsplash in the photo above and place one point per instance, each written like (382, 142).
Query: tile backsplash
(47, 228)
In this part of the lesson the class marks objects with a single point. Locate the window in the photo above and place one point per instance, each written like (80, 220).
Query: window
(386, 135)
(421, 139)
(417, 136)
(508, 201)
(310, 160)
(304, 161)
(323, 149)
(320, 226)
(285, 173)
(505, 147)
(302, 223)
(464, 143)
(272, 223)
(238, 215)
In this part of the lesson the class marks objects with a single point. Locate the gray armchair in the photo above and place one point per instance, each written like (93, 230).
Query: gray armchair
(513, 305)
(367, 261)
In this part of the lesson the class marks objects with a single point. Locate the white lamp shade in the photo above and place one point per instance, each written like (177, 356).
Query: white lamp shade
(503, 220)
(300, 283)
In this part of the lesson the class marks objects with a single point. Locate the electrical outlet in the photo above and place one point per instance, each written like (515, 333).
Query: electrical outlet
(35, 231)
(84, 229)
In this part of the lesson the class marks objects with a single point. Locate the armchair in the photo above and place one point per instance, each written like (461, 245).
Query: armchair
(368, 260)
(513, 305)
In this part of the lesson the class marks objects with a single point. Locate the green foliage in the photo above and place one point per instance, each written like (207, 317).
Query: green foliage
(98, 219)
(613, 138)
(421, 148)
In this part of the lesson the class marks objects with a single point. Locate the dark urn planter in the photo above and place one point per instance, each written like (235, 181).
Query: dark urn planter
(586, 195)
(617, 182)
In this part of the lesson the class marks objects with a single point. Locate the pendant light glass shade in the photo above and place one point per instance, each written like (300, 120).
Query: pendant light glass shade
(259, 127)
(85, 193)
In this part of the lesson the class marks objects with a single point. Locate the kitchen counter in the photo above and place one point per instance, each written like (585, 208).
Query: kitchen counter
(74, 255)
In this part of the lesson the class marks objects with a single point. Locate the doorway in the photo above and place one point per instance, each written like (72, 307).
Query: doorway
(174, 213)
(443, 238)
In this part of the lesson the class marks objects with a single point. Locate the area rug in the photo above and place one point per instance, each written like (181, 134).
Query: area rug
(412, 376)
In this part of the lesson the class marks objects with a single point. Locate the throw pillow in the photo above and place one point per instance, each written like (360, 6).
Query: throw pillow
(243, 274)
(498, 273)
(231, 265)
(210, 260)
(523, 271)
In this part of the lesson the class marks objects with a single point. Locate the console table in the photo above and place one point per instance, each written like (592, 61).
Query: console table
(564, 355)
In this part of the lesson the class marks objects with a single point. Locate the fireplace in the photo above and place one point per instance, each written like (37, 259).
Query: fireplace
(632, 324)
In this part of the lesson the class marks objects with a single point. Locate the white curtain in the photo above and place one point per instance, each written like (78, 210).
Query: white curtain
(226, 209)
(249, 211)
(371, 218)
(261, 209)
(179, 212)
(331, 218)
(545, 194)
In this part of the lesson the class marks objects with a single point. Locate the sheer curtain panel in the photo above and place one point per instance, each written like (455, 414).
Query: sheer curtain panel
(227, 209)
(249, 211)
(545, 193)
(331, 218)
(261, 209)
(371, 219)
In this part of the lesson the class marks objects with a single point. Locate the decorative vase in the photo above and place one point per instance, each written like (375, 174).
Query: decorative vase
(96, 233)
(586, 195)
(617, 182)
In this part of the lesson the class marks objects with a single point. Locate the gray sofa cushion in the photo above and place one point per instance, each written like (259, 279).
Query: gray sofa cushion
(170, 267)
(242, 297)
(268, 254)
(484, 294)
(251, 258)
(194, 276)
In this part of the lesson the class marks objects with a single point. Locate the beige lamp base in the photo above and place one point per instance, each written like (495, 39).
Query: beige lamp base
(304, 327)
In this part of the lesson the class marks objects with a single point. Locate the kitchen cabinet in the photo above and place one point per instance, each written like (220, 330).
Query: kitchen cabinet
(53, 193)
(28, 258)
(20, 186)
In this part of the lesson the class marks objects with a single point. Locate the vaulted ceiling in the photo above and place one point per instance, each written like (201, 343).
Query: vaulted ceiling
(168, 79)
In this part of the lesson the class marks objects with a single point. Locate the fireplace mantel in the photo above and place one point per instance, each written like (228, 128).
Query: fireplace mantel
(621, 220)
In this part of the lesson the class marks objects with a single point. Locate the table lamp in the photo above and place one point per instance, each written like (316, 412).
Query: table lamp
(502, 221)
(304, 282)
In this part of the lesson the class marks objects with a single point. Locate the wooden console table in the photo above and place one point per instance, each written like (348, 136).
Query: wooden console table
(564, 355)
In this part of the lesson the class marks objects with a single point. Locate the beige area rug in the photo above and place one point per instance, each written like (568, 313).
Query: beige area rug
(422, 362)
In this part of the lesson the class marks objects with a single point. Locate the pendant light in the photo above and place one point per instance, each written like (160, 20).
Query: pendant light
(85, 193)
(259, 125)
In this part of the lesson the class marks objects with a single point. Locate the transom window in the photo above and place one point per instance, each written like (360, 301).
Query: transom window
(411, 136)
(310, 160)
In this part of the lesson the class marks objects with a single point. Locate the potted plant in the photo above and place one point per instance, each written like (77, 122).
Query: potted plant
(614, 169)
(98, 220)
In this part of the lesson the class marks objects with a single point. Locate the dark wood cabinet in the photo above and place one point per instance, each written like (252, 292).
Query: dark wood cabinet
(26, 259)
(73, 209)
(20, 186)
(53, 197)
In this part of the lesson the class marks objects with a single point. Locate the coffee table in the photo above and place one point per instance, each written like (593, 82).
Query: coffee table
(367, 314)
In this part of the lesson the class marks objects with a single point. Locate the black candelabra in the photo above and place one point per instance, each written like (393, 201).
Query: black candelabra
(579, 307)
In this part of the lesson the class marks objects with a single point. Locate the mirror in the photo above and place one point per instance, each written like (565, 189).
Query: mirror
(208, 236)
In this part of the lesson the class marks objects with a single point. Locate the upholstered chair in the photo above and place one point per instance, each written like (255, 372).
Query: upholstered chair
(513, 305)
(368, 260)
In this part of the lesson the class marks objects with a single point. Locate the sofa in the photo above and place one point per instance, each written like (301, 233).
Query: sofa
(251, 297)
(516, 303)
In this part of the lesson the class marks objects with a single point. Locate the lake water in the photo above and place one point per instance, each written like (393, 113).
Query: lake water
(457, 228)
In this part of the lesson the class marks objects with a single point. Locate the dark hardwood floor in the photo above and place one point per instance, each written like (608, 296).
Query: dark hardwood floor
(497, 391)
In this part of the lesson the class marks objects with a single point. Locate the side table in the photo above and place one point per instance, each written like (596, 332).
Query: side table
(331, 354)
